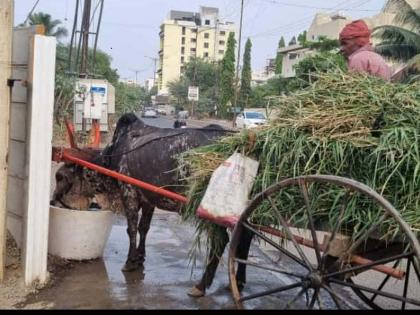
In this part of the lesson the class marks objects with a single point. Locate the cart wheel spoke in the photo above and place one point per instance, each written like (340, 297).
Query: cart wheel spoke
(416, 269)
(293, 301)
(276, 270)
(304, 191)
(276, 246)
(367, 266)
(380, 293)
(269, 292)
(335, 296)
(319, 300)
(314, 298)
(384, 281)
(290, 235)
(340, 221)
(407, 279)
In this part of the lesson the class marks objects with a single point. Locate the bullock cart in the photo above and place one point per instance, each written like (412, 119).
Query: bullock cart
(320, 252)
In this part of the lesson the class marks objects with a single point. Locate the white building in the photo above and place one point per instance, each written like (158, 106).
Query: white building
(185, 35)
(149, 84)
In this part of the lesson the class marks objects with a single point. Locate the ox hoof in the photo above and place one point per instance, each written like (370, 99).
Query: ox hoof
(194, 292)
(130, 267)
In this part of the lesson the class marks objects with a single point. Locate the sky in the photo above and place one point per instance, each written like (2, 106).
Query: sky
(130, 28)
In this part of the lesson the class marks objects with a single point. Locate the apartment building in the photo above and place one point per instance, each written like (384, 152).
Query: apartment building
(330, 26)
(188, 34)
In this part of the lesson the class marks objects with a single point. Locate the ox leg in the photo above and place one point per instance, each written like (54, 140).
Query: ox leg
(131, 208)
(144, 226)
(216, 252)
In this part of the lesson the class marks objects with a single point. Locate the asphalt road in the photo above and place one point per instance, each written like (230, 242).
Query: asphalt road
(168, 122)
(161, 122)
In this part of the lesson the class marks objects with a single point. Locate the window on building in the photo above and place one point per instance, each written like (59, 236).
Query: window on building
(221, 52)
(182, 50)
(182, 59)
(183, 30)
(206, 54)
(206, 45)
(222, 42)
(222, 33)
(194, 30)
(193, 50)
(292, 56)
(206, 35)
(182, 69)
(183, 40)
(193, 40)
(207, 22)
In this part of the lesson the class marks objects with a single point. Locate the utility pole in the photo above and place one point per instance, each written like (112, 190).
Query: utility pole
(85, 37)
(155, 60)
(235, 103)
(6, 27)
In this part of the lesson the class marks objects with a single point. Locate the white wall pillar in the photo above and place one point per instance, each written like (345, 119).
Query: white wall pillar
(39, 151)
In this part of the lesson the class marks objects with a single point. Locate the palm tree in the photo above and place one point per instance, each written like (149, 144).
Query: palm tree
(402, 41)
(52, 27)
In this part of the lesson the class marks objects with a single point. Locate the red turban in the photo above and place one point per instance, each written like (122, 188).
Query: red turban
(358, 30)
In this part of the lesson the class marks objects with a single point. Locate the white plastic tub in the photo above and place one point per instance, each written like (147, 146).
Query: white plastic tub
(79, 235)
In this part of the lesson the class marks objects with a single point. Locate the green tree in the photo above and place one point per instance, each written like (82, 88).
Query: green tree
(400, 42)
(245, 91)
(323, 44)
(129, 98)
(279, 57)
(292, 41)
(203, 74)
(228, 77)
(52, 27)
(307, 69)
(302, 38)
(64, 85)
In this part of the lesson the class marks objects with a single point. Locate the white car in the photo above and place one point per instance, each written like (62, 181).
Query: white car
(161, 112)
(249, 120)
(150, 113)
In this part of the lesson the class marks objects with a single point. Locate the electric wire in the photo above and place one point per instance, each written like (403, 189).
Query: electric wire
(30, 12)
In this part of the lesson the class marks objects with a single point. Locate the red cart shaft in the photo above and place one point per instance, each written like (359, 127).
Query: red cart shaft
(67, 156)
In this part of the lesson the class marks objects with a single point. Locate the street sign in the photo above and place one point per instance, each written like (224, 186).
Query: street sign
(193, 93)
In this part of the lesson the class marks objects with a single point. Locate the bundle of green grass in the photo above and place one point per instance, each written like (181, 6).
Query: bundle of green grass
(350, 125)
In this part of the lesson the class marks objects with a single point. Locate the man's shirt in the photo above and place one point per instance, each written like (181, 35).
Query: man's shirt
(366, 60)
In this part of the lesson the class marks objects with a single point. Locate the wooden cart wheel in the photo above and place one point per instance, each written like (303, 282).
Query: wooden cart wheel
(343, 244)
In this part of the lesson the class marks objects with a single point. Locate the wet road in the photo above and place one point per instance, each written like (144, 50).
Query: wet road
(165, 280)
(162, 284)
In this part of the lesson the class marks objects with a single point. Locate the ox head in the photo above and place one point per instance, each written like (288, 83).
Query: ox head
(78, 188)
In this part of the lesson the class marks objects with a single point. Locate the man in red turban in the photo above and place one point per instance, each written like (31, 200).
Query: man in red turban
(356, 47)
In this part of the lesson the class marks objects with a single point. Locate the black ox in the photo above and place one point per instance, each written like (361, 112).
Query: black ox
(148, 154)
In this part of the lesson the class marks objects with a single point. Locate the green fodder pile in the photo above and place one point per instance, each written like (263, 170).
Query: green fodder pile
(348, 125)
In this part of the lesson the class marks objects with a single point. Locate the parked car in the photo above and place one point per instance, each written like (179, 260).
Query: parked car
(248, 119)
(149, 113)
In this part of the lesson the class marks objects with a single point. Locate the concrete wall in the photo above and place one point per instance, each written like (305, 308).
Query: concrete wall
(6, 24)
(325, 25)
(18, 134)
(30, 149)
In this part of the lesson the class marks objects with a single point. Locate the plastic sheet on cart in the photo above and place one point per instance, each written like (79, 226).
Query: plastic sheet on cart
(227, 194)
